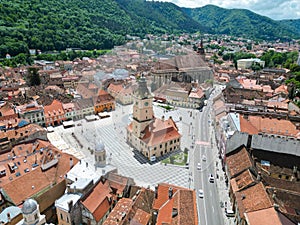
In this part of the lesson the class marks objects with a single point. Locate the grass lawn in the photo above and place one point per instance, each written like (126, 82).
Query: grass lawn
(179, 159)
(166, 107)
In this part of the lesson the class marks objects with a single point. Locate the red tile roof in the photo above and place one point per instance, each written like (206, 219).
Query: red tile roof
(282, 89)
(27, 184)
(115, 88)
(140, 218)
(55, 109)
(97, 201)
(183, 202)
(160, 131)
(257, 124)
(238, 162)
(7, 110)
(117, 182)
(267, 216)
(162, 194)
(119, 212)
(242, 181)
(252, 199)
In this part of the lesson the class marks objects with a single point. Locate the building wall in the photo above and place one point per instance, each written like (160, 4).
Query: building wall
(81, 113)
(125, 99)
(36, 117)
(70, 115)
(54, 120)
(102, 107)
(70, 84)
(246, 64)
(47, 198)
(73, 217)
(158, 150)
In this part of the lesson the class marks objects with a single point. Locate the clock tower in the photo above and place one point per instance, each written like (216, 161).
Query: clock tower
(142, 108)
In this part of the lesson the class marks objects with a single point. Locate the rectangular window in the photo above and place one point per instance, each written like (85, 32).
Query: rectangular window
(61, 216)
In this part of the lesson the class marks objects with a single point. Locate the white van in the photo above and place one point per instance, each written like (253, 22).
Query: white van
(229, 213)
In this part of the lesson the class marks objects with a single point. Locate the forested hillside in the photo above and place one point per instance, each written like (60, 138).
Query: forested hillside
(101, 24)
(241, 22)
(292, 24)
(86, 24)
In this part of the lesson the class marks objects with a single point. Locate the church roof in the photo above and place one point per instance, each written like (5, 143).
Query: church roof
(99, 147)
(29, 206)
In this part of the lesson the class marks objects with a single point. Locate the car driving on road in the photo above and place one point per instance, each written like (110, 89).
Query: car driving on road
(198, 166)
(200, 193)
(211, 178)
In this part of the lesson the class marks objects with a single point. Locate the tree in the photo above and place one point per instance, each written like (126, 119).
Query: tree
(256, 66)
(34, 77)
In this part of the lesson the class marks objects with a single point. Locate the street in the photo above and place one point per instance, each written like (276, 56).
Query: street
(209, 206)
(196, 136)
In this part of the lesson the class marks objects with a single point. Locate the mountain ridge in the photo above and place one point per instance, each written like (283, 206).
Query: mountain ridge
(92, 24)
(242, 22)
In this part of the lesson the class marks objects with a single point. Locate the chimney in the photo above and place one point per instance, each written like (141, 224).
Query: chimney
(70, 204)
(154, 217)
(163, 118)
(258, 176)
(156, 191)
(71, 163)
(170, 192)
(243, 197)
(274, 195)
(8, 217)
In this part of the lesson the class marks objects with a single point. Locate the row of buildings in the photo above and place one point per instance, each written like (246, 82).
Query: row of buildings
(40, 184)
(257, 129)
(57, 112)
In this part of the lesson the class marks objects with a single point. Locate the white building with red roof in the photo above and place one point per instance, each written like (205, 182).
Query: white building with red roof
(151, 136)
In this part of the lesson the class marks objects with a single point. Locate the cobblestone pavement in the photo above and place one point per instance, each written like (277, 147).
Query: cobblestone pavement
(111, 131)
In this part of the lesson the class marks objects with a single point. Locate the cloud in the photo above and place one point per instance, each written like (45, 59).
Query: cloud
(275, 9)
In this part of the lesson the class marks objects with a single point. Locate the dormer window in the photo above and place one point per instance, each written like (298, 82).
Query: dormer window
(3, 172)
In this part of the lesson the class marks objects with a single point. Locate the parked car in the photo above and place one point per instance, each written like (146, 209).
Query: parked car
(229, 213)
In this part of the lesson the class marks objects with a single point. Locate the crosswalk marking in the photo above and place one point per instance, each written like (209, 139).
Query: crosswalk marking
(202, 143)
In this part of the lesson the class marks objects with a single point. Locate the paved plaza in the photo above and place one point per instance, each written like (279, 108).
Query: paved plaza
(112, 132)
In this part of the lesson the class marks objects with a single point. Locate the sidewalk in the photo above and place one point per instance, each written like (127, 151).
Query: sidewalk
(221, 185)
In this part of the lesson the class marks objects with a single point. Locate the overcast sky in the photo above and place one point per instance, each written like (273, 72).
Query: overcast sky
(275, 9)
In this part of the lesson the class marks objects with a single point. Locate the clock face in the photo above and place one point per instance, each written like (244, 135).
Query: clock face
(146, 103)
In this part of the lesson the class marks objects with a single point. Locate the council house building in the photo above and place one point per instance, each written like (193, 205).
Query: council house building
(151, 136)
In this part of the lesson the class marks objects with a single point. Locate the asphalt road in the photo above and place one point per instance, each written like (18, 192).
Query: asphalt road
(209, 210)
